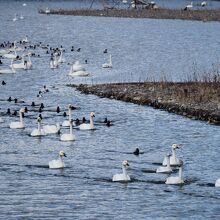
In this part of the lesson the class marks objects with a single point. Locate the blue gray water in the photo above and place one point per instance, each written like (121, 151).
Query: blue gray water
(141, 49)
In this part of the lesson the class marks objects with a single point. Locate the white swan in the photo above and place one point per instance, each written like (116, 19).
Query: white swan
(167, 168)
(15, 18)
(89, 126)
(61, 58)
(21, 17)
(217, 183)
(189, 6)
(108, 65)
(70, 136)
(47, 11)
(3, 51)
(66, 123)
(58, 164)
(28, 64)
(8, 71)
(176, 179)
(19, 124)
(77, 70)
(54, 62)
(25, 39)
(10, 55)
(39, 131)
(174, 161)
(52, 129)
(15, 48)
(123, 177)
(20, 65)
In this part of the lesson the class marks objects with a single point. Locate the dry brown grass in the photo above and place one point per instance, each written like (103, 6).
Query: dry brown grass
(161, 13)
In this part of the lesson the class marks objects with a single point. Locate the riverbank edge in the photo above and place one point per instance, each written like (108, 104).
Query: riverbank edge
(159, 96)
(160, 13)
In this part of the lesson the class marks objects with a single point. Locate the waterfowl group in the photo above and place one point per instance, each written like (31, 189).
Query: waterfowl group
(77, 69)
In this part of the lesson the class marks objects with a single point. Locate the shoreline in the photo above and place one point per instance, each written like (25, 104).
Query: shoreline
(195, 100)
(160, 13)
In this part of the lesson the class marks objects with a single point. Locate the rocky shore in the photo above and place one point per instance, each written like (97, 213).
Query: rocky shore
(196, 100)
(160, 13)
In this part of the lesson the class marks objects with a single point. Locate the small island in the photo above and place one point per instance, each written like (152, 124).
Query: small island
(196, 100)
(159, 13)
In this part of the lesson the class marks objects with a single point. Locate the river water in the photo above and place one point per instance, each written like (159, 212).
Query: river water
(141, 49)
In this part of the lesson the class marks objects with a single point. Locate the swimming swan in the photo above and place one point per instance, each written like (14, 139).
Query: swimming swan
(54, 62)
(19, 124)
(58, 164)
(174, 161)
(173, 180)
(217, 183)
(123, 177)
(66, 123)
(108, 65)
(28, 64)
(17, 65)
(89, 126)
(61, 58)
(7, 71)
(77, 70)
(167, 168)
(15, 18)
(70, 136)
(39, 131)
(52, 129)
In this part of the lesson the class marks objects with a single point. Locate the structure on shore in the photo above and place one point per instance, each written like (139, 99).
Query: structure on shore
(159, 13)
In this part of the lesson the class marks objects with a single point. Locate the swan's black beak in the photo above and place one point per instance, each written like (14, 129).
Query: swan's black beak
(64, 155)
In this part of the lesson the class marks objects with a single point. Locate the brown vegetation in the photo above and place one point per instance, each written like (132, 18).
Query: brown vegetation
(160, 13)
(197, 100)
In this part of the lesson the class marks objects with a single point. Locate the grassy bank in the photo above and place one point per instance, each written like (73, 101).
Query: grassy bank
(160, 13)
(197, 100)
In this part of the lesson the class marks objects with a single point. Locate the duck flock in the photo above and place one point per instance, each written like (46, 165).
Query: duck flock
(17, 55)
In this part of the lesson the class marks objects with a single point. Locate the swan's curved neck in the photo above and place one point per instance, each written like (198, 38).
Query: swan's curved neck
(71, 69)
(174, 154)
(168, 162)
(61, 159)
(110, 60)
(71, 128)
(21, 118)
(12, 66)
(15, 51)
(124, 171)
(70, 114)
(91, 122)
(181, 172)
(39, 126)
(29, 58)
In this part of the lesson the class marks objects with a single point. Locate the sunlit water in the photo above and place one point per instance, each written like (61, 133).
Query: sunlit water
(140, 48)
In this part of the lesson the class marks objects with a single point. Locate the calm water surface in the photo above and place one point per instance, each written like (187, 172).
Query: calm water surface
(141, 49)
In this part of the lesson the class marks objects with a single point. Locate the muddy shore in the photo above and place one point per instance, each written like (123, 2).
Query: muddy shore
(196, 100)
(160, 13)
